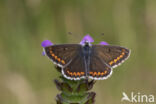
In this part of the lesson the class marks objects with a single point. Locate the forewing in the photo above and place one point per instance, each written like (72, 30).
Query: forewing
(111, 55)
(62, 54)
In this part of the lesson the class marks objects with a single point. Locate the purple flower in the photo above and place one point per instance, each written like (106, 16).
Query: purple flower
(46, 43)
(86, 38)
(103, 43)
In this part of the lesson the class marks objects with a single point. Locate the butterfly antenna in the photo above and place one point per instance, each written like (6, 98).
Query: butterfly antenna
(102, 34)
(71, 36)
(70, 33)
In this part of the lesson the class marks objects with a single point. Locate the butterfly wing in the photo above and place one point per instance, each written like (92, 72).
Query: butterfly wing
(111, 55)
(98, 69)
(104, 58)
(62, 54)
(76, 69)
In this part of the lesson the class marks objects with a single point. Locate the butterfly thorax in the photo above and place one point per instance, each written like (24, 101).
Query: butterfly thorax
(86, 53)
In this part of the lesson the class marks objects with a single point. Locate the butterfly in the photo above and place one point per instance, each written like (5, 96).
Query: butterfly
(79, 61)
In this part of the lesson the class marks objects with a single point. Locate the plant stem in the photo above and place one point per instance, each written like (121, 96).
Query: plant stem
(75, 92)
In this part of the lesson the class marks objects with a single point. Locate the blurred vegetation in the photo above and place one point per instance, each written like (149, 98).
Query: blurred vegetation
(26, 77)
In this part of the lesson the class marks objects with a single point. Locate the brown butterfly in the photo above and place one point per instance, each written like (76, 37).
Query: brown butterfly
(87, 61)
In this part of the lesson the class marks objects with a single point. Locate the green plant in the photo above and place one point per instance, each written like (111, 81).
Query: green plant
(74, 92)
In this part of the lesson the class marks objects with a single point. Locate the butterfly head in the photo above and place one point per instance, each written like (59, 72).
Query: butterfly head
(87, 40)
(87, 44)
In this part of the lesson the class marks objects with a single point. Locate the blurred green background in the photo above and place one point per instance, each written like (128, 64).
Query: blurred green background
(26, 77)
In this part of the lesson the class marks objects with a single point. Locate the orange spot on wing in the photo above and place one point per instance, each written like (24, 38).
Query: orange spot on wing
(110, 63)
(68, 71)
(52, 55)
(78, 74)
(115, 60)
(90, 72)
(118, 58)
(63, 62)
(121, 56)
(58, 59)
(123, 53)
(98, 73)
(82, 73)
(51, 52)
(105, 72)
(95, 73)
(74, 73)
(55, 57)
(102, 73)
